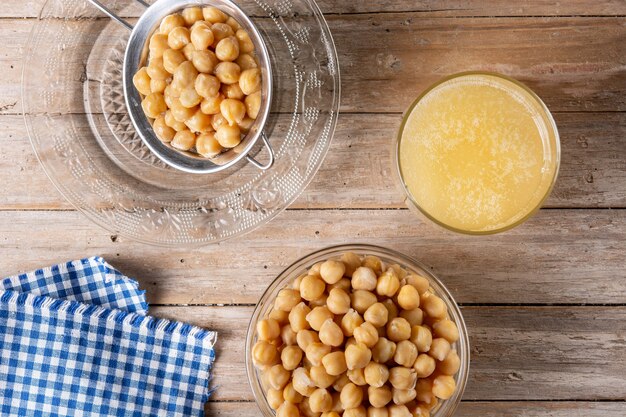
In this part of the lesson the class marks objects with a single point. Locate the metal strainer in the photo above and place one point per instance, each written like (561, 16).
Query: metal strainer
(137, 54)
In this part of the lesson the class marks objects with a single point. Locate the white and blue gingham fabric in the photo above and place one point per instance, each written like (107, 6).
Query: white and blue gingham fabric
(61, 357)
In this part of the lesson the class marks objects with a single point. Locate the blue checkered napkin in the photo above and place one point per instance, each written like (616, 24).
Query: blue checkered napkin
(66, 358)
(90, 281)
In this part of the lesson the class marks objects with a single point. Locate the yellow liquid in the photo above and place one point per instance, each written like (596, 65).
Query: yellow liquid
(478, 153)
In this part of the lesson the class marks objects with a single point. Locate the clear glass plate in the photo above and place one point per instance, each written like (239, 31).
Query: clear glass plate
(80, 130)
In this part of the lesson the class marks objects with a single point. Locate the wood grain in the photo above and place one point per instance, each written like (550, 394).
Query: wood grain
(559, 256)
(538, 353)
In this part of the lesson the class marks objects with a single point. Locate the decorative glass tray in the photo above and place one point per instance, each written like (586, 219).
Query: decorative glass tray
(80, 130)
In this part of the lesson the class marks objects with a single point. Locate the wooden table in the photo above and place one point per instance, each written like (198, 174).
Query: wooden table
(545, 303)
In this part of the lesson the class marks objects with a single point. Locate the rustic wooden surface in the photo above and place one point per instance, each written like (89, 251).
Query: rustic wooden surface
(545, 303)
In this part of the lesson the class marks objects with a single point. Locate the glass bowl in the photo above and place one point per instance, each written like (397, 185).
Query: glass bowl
(444, 408)
(81, 132)
(543, 120)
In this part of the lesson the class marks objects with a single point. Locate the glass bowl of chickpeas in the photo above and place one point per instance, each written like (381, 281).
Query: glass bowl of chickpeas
(198, 84)
(357, 331)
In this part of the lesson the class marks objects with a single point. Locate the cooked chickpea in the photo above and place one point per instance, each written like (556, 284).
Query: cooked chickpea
(376, 314)
(331, 334)
(318, 316)
(316, 351)
(205, 61)
(446, 329)
(384, 350)
(357, 356)
(211, 105)
(367, 334)
(331, 271)
(208, 146)
(297, 316)
(253, 104)
(351, 396)
(341, 382)
(305, 337)
(281, 317)
(424, 390)
(185, 75)
(228, 73)
(424, 365)
(343, 284)
(275, 398)
(287, 409)
(392, 309)
(355, 412)
(264, 353)
(388, 284)
(320, 377)
(291, 395)
(451, 364)
(202, 37)
(422, 338)
(400, 272)
(246, 62)
(335, 363)
(444, 386)
(408, 297)
(199, 122)
(222, 31)
(268, 329)
(320, 400)
(364, 278)
(232, 91)
(376, 374)
(356, 376)
(245, 43)
(305, 409)
(234, 111)
(158, 45)
(377, 412)
(312, 287)
(172, 58)
(415, 317)
(233, 23)
(420, 283)
(379, 397)
(286, 299)
(403, 396)
(350, 321)
(153, 105)
(214, 15)
(158, 86)
(398, 329)
(250, 82)
(420, 410)
(178, 37)
(315, 269)
(278, 377)
(184, 140)
(373, 262)
(291, 357)
(397, 410)
(362, 300)
(406, 353)
(156, 70)
(228, 136)
(302, 382)
(180, 112)
(141, 81)
(433, 306)
(171, 121)
(318, 302)
(351, 260)
(439, 349)
(338, 301)
(162, 130)
(402, 378)
(191, 15)
(188, 51)
(190, 98)
(227, 49)
(170, 22)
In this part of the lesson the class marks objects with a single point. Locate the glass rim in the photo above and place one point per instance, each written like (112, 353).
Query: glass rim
(551, 125)
(446, 408)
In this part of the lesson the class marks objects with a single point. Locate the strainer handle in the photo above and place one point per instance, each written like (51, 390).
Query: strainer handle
(112, 15)
(270, 151)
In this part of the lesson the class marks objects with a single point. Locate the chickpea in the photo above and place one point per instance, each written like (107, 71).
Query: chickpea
(451, 364)
(364, 278)
(350, 321)
(302, 382)
(356, 376)
(253, 104)
(341, 382)
(439, 348)
(331, 271)
(446, 329)
(228, 136)
(444, 386)
(403, 396)
(355, 412)
(247, 61)
(227, 49)
(424, 365)
(420, 283)
(402, 377)
(434, 306)
(170, 22)
(305, 409)
(377, 412)
(233, 23)
(173, 123)
(362, 300)
(384, 350)
(281, 317)
(335, 363)
(376, 314)
(388, 284)
(156, 71)
(264, 353)
(351, 396)
(400, 272)
(330, 414)
(141, 81)
(376, 374)
(351, 260)
(397, 410)
(315, 352)
(291, 395)
(205, 61)
(214, 15)
(424, 390)
(406, 353)
(178, 37)
(338, 301)
(153, 105)
(398, 329)
(188, 51)
(318, 316)
(392, 309)
(331, 334)
(245, 43)
(234, 111)
(162, 130)
(228, 73)
(373, 262)
(297, 316)
(200, 123)
(415, 317)
(421, 411)
(291, 356)
(320, 377)
(202, 37)
(319, 302)
(320, 400)
(287, 409)
(268, 329)
(357, 356)
(278, 377)
(211, 105)
(367, 334)
(190, 98)
(232, 91)
(306, 337)
(250, 82)
(379, 397)
(184, 140)
(408, 297)
(185, 75)
(158, 45)
(421, 338)
(180, 112)
(275, 398)
(191, 15)
(311, 287)
(286, 300)
(343, 284)
(172, 59)
(158, 86)
(208, 146)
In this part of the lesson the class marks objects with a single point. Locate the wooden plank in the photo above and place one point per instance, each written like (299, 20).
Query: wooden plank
(469, 409)
(517, 353)
(451, 8)
(387, 59)
(559, 256)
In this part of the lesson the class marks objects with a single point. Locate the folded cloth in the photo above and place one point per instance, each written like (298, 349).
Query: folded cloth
(60, 356)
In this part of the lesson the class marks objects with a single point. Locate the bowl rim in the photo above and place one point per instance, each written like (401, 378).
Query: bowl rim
(445, 408)
(551, 125)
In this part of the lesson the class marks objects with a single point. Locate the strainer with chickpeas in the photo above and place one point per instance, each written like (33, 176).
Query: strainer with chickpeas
(197, 83)
(357, 331)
